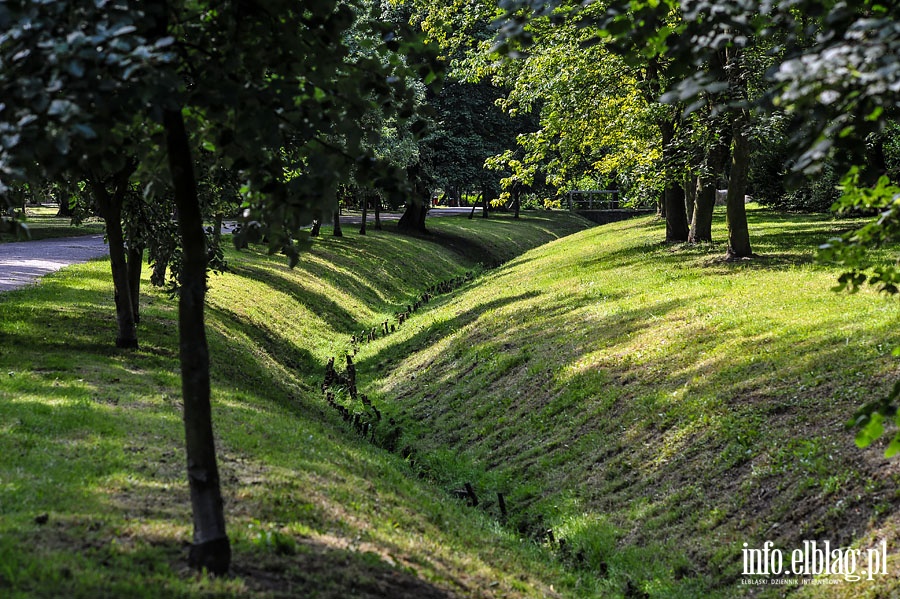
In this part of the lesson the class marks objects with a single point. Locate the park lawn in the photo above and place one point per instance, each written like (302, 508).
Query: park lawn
(41, 222)
(93, 500)
(656, 407)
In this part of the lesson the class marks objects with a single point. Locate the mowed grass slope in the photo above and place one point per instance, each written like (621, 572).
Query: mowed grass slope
(656, 407)
(93, 497)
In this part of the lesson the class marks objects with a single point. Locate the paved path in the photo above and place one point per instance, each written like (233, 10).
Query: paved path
(23, 262)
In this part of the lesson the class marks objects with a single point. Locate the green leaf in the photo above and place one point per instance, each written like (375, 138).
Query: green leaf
(893, 448)
(871, 431)
(875, 114)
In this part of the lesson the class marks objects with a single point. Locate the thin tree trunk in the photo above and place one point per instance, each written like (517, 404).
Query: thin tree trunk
(735, 210)
(135, 264)
(337, 224)
(485, 202)
(474, 206)
(365, 215)
(690, 197)
(378, 213)
(110, 207)
(714, 163)
(217, 229)
(517, 193)
(211, 549)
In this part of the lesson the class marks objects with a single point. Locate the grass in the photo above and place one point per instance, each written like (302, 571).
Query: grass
(92, 491)
(41, 222)
(655, 406)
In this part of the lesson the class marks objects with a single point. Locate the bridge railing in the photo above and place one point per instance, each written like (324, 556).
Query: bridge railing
(593, 199)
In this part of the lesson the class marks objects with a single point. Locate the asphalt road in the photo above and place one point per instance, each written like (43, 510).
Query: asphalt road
(24, 262)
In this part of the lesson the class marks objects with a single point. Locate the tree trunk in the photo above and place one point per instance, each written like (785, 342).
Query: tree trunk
(474, 206)
(673, 196)
(135, 264)
(676, 217)
(735, 210)
(701, 221)
(517, 194)
(378, 213)
(876, 161)
(211, 549)
(337, 232)
(717, 153)
(485, 202)
(716, 158)
(65, 208)
(365, 214)
(110, 207)
(413, 218)
(690, 197)
(217, 229)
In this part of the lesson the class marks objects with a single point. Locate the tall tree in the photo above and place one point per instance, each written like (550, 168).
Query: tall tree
(270, 90)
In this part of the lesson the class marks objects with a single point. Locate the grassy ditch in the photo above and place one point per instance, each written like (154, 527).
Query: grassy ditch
(93, 501)
(655, 407)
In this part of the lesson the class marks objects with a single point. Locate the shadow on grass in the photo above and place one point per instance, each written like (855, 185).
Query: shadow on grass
(343, 263)
(472, 251)
(286, 352)
(139, 564)
(323, 307)
(500, 241)
(430, 333)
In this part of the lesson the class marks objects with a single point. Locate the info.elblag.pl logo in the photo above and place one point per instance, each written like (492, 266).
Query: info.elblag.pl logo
(816, 558)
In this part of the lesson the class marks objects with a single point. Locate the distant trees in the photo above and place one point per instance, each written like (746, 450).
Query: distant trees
(469, 128)
(270, 92)
(715, 78)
